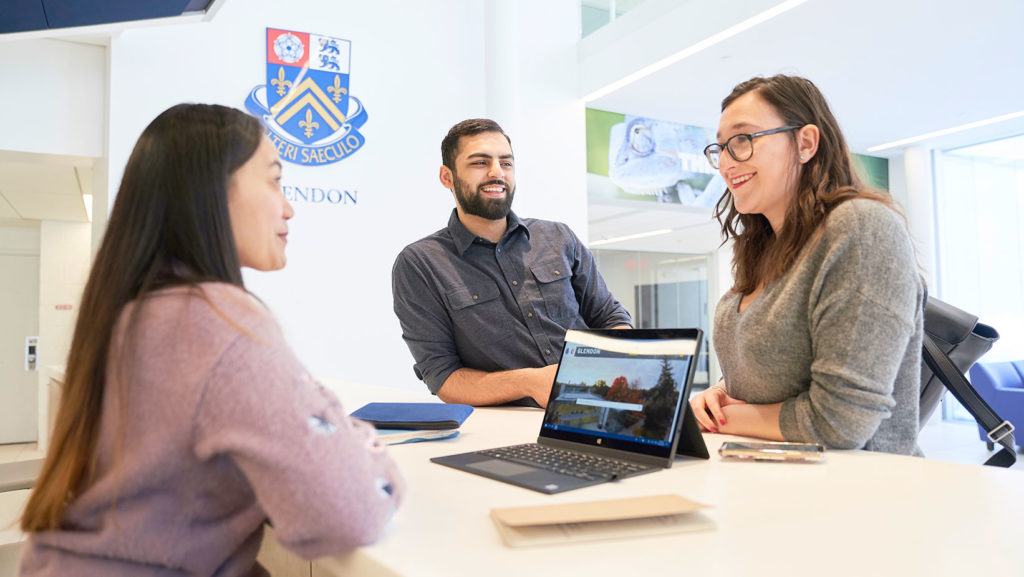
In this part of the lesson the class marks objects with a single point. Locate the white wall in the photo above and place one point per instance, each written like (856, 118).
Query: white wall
(550, 134)
(52, 97)
(898, 181)
(19, 318)
(920, 209)
(416, 76)
(64, 249)
(64, 257)
(19, 238)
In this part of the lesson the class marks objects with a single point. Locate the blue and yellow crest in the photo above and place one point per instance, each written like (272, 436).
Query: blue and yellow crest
(305, 104)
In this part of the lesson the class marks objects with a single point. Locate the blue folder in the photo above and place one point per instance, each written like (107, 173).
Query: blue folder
(413, 415)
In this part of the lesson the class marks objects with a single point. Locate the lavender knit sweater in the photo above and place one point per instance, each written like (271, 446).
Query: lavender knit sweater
(211, 428)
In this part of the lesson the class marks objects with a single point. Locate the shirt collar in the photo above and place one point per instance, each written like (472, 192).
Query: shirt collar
(463, 237)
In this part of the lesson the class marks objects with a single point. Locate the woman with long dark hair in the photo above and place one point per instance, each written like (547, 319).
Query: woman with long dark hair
(819, 339)
(186, 421)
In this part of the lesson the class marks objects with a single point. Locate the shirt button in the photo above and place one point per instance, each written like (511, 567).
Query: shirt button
(547, 351)
(529, 315)
(474, 297)
(556, 272)
(499, 250)
(515, 283)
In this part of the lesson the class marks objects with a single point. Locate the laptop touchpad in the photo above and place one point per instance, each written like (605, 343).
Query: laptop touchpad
(498, 467)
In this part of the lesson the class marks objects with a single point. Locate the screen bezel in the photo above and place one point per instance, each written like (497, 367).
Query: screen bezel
(653, 450)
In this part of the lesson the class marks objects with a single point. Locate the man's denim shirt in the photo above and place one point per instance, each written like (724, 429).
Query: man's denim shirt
(464, 301)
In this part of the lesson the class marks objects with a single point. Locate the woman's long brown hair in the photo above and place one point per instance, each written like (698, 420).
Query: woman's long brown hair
(824, 182)
(170, 226)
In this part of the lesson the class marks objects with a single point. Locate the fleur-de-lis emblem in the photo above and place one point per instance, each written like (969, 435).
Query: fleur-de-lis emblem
(309, 124)
(281, 84)
(337, 90)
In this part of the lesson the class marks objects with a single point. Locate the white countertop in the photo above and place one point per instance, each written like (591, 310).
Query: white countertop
(858, 513)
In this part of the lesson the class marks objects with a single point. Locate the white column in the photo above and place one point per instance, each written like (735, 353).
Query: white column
(102, 204)
(64, 249)
(502, 64)
(921, 210)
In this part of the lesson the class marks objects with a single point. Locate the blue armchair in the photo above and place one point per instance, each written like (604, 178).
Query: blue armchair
(1002, 387)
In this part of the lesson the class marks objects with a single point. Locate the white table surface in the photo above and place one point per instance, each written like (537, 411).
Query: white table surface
(858, 513)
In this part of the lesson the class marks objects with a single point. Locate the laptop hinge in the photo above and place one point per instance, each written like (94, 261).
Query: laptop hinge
(605, 452)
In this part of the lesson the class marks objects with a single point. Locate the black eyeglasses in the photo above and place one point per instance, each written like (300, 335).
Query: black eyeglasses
(740, 146)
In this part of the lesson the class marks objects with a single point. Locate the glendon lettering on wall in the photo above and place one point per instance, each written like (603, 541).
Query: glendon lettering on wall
(320, 195)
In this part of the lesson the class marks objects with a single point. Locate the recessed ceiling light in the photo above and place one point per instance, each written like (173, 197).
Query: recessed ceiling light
(87, 201)
(631, 236)
(937, 133)
(708, 42)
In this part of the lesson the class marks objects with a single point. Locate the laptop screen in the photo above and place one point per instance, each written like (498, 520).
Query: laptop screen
(622, 389)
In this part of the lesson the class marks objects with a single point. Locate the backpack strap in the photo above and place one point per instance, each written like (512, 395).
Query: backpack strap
(999, 430)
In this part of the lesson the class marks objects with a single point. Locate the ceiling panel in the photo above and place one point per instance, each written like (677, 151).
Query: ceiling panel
(48, 206)
(32, 15)
(7, 211)
(35, 178)
(44, 186)
(64, 14)
(890, 70)
(19, 15)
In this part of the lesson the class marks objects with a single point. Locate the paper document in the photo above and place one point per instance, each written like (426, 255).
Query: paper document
(593, 520)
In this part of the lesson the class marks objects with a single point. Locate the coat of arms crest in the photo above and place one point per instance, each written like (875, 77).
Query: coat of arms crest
(305, 104)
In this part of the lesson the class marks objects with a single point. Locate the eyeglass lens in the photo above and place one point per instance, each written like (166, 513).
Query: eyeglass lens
(740, 147)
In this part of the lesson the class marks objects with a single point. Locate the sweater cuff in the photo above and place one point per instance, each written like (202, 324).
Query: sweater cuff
(787, 420)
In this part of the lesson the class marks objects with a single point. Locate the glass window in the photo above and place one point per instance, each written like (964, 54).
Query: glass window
(979, 206)
(980, 242)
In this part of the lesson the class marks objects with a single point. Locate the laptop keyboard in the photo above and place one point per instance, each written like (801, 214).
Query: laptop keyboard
(573, 463)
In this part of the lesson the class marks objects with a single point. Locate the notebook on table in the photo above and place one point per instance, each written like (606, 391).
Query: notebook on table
(422, 416)
(400, 423)
(618, 408)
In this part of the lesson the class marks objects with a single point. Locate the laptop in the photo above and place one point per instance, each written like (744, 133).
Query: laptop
(619, 407)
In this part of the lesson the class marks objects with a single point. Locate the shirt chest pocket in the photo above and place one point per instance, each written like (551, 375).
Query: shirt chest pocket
(554, 281)
(477, 306)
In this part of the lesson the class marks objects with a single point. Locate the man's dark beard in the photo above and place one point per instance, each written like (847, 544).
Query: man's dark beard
(479, 205)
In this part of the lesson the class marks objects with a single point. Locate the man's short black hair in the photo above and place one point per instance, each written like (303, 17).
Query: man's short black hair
(450, 144)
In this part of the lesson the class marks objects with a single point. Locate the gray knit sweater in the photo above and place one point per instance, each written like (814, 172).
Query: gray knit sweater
(837, 339)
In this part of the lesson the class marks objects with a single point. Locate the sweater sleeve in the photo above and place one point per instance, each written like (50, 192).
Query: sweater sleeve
(325, 482)
(862, 318)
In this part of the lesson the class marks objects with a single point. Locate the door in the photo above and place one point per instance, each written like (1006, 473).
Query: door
(19, 318)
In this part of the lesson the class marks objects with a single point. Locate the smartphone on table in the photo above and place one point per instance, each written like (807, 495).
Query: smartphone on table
(772, 451)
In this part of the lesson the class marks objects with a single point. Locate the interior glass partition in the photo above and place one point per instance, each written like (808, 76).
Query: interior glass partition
(979, 212)
(661, 290)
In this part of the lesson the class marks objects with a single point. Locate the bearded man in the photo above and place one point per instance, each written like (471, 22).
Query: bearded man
(484, 303)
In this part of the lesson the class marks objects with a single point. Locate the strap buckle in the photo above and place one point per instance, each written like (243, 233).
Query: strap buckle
(1007, 425)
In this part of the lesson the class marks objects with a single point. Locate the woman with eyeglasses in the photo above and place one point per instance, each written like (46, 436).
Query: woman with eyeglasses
(819, 339)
